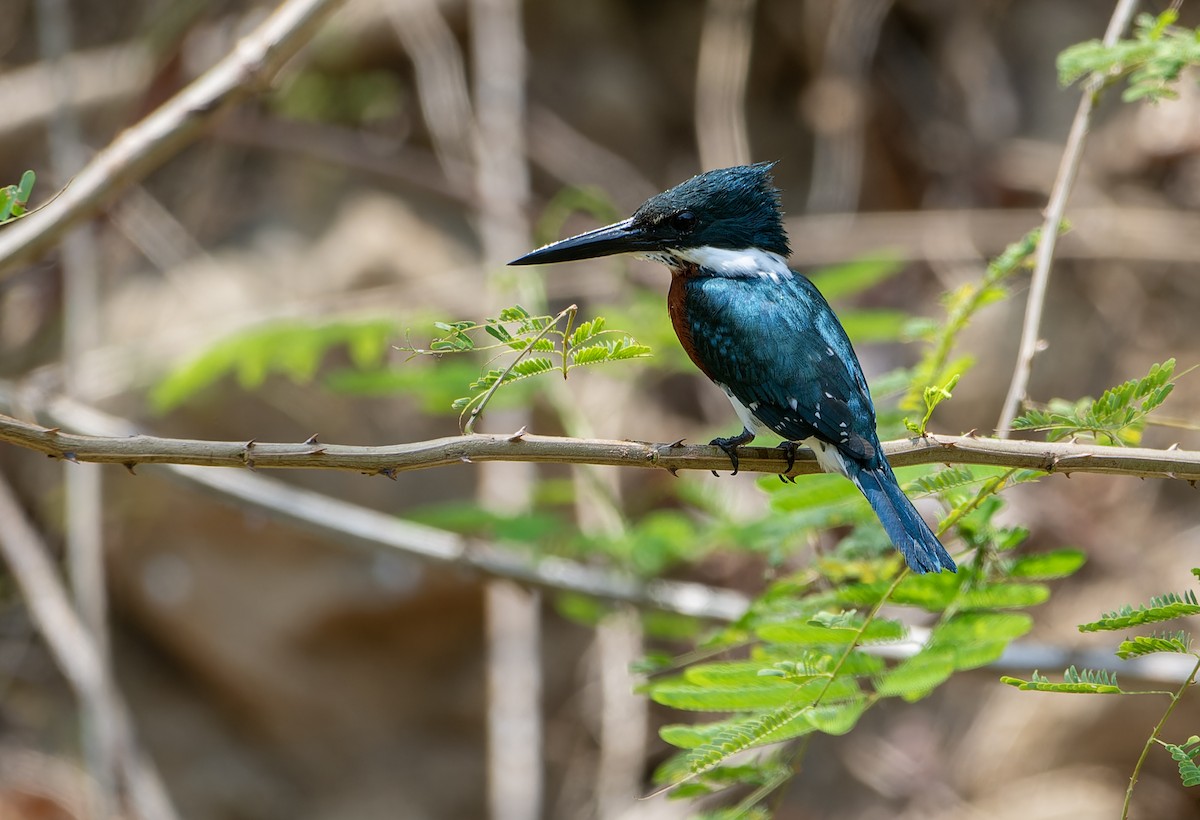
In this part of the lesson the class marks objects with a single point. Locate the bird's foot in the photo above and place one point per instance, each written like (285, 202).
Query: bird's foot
(729, 447)
(789, 452)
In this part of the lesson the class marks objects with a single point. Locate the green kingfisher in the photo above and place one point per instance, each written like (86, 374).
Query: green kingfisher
(762, 332)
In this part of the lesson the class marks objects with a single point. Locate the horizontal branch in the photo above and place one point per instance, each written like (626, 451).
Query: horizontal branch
(350, 523)
(130, 451)
(354, 524)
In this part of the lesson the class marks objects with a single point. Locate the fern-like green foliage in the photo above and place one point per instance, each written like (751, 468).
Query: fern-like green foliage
(1103, 682)
(14, 199)
(294, 349)
(1152, 59)
(1179, 642)
(1185, 755)
(516, 331)
(1162, 608)
(1075, 681)
(811, 668)
(1117, 417)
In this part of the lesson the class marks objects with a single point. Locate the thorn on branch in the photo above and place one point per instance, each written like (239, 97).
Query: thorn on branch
(517, 436)
(677, 443)
(465, 460)
(388, 472)
(129, 465)
(311, 439)
(71, 457)
(52, 431)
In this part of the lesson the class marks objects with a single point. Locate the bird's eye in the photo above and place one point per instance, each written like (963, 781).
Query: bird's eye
(684, 221)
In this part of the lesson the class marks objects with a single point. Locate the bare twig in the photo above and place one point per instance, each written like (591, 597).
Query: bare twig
(515, 762)
(95, 78)
(721, 71)
(441, 80)
(134, 450)
(76, 653)
(246, 71)
(1072, 155)
(837, 104)
(81, 333)
(1138, 234)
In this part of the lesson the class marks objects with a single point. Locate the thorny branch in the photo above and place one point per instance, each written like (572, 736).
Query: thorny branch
(389, 460)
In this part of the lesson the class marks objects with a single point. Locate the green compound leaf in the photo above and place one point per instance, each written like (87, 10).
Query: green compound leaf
(975, 627)
(915, 677)
(1185, 755)
(814, 632)
(929, 592)
(1118, 416)
(1047, 566)
(1163, 608)
(1179, 643)
(1083, 682)
(1004, 596)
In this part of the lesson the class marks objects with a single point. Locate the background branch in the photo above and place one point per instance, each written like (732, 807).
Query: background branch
(78, 656)
(244, 72)
(1063, 183)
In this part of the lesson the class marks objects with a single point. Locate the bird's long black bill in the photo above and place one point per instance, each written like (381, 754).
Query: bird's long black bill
(620, 237)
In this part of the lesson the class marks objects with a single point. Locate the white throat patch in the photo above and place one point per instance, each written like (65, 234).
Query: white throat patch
(748, 262)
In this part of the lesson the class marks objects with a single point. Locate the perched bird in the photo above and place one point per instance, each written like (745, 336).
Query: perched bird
(762, 332)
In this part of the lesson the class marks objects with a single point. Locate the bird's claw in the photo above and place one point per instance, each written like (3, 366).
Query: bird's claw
(789, 452)
(729, 447)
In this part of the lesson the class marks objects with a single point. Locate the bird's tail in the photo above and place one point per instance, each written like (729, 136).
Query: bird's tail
(900, 519)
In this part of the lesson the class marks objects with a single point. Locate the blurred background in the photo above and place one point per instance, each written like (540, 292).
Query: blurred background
(279, 669)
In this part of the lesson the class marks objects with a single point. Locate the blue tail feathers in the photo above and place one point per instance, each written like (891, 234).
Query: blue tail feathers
(900, 519)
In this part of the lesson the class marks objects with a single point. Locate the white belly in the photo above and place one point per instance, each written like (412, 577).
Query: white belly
(828, 457)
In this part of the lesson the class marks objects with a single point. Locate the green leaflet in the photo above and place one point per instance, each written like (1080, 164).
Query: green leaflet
(1075, 681)
(1153, 59)
(730, 737)
(1118, 416)
(291, 348)
(968, 628)
(1179, 643)
(1185, 755)
(1162, 608)
(933, 592)
(15, 198)
(915, 677)
(1004, 596)
(811, 632)
(1047, 566)
(761, 692)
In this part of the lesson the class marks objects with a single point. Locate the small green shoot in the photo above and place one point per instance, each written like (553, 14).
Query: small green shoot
(560, 344)
(14, 199)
